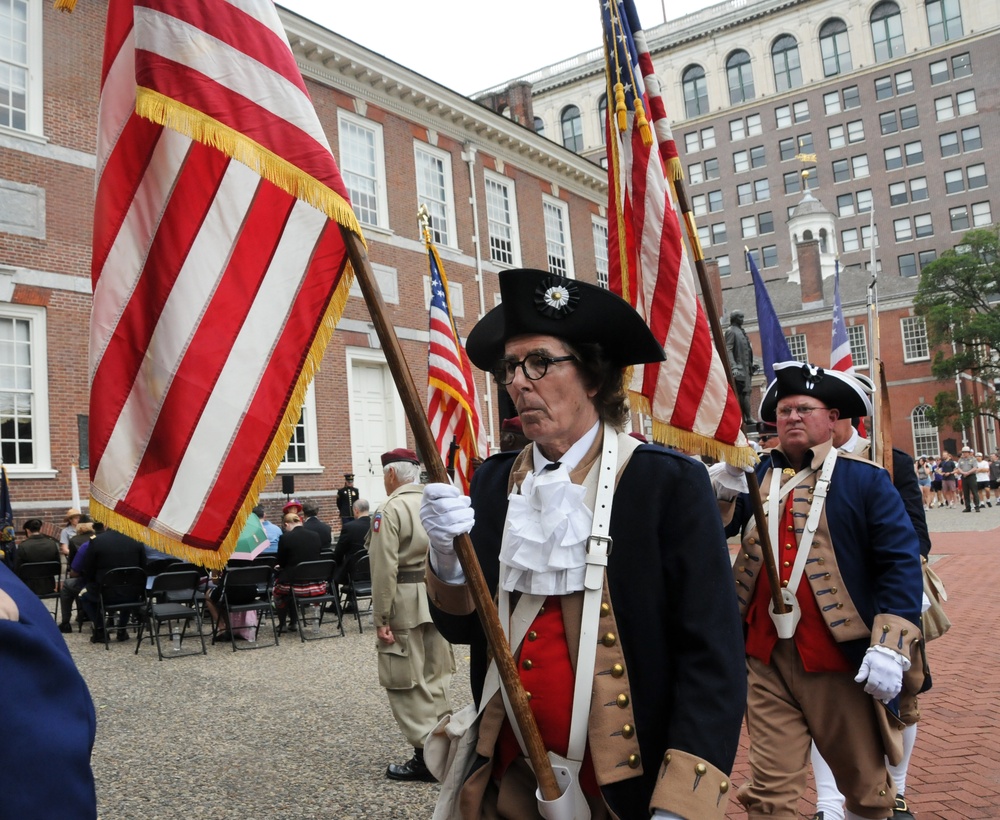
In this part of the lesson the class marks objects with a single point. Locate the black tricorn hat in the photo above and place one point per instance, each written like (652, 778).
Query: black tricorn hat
(833, 388)
(535, 301)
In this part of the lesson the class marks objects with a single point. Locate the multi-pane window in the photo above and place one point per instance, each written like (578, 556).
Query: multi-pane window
(740, 77)
(783, 116)
(918, 189)
(744, 193)
(836, 136)
(691, 142)
(785, 61)
(695, 174)
(800, 111)
(557, 245)
(14, 68)
(769, 254)
(914, 152)
(954, 181)
(883, 88)
(711, 169)
(893, 158)
(908, 117)
(965, 102)
(849, 240)
(434, 190)
(897, 193)
(748, 226)
(855, 131)
(887, 122)
(602, 116)
(835, 48)
(715, 201)
(864, 198)
(949, 144)
(761, 190)
(944, 20)
(362, 165)
(572, 128)
(755, 125)
(704, 239)
(845, 205)
(975, 176)
(707, 136)
(972, 138)
(600, 231)
(501, 218)
(939, 72)
(699, 204)
(925, 434)
(887, 31)
(765, 222)
(907, 264)
(859, 345)
(787, 148)
(902, 229)
(852, 97)
(944, 109)
(792, 181)
(719, 233)
(961, 65)
(737, 130)
(798, 347)
(914, 331)
(958, 217)
(859, 165)
(745, 160)
(926, 257)
(724, 267)
(695, 91)
(831, 102)
(23, 389)
(904, 81)
(982, 215)
(923, 226)
(841, 170)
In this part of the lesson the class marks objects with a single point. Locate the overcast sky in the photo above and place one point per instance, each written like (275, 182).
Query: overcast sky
(469, 45)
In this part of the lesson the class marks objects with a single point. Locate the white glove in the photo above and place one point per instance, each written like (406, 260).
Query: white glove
(445, 514)
(727, 481)
(881, 672)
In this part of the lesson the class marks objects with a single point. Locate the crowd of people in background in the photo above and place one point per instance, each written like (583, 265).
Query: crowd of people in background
(970, 481)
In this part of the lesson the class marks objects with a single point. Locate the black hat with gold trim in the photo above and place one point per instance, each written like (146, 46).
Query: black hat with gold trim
(535, 301)
(833, 388)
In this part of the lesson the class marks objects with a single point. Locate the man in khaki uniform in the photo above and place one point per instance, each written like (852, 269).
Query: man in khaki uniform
(415, 663)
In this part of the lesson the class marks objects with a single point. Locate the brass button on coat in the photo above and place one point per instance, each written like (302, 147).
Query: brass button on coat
(605, 609)
(609, 639)
(617, 670)
(633, 761)
(701, 769)
(532, 636)
(628, 730)
(622, 701)
(527, 664)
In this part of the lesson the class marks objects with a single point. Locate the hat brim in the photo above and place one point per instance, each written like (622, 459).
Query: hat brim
(592, 314)
(835, 389)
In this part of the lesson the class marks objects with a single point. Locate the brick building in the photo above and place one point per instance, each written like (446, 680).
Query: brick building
(889, 106)
(499, 194)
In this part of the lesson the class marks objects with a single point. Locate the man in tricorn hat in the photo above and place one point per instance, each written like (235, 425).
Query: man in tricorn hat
(415, 664)
(654, 638)
(849, 563)
(346, 496)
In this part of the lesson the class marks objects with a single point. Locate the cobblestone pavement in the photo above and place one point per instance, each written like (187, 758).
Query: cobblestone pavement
(302, 731)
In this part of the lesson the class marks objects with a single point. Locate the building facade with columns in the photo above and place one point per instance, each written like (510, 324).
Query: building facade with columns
(888, 104)
(500, 196)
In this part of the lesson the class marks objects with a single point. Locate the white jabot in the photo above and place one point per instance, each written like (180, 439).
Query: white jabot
(548, 523)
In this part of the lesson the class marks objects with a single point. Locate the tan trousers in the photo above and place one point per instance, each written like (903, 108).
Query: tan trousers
(417, 672)
(514, 798)
(786, 708)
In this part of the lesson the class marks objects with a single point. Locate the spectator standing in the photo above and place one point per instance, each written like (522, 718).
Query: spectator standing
(968, 467)
(415, 664)
(949, 478)
(346, 496)
(983, 480)
(995, 476)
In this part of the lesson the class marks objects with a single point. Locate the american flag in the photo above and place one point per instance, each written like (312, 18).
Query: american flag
(452, 397)
(219, 270)
(840, 346)
(688, 395)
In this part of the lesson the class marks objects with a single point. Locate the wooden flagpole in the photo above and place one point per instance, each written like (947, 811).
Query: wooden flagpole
(417, 418)
(712, 311)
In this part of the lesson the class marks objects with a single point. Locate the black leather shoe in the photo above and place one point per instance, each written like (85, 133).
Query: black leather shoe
(412, 769)
(64, 628)
(901, 811)
(97, 637)
(122, 635)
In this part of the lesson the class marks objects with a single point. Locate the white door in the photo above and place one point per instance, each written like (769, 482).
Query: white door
(376, 424)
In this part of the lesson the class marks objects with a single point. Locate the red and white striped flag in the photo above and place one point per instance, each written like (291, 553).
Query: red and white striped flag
(688, 395)
(840, 346)
(219, 268)
(452, 397)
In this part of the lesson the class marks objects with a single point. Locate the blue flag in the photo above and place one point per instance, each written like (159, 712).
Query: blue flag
(773, 345)
(6, 520)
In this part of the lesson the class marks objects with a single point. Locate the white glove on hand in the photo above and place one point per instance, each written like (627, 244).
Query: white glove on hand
(881, 672)
(727, 481)
(445, 514)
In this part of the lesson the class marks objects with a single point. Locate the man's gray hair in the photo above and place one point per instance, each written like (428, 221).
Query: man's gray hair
(406, 472)
(361, 507)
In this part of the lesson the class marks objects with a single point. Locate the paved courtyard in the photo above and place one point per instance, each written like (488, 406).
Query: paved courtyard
(303, 731)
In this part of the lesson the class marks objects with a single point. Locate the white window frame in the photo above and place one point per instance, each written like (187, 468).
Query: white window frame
(551, 203)
(515, 236)
(913, 330)
(34, 92)
(381, 194)
(37, 318)
(451, 240)
(857, 338)
(599, 229)
(798, 347)
(924, 433)
(311, 466)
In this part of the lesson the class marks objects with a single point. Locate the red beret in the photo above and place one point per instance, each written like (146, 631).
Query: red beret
(294, 504)
(512, 425)
(399, 454)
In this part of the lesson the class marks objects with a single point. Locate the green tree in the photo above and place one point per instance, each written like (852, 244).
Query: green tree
(959, 298)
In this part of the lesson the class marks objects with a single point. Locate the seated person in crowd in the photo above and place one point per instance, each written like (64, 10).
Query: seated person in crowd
(73, 583)
(296, 546)
(109, 550)
(351, 541)
(33, 549)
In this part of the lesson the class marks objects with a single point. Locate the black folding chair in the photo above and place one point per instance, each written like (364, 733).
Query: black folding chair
(247, 588)
(121, 592)
(311, 575)
(359, 584)
(43, 578)
(172, 600)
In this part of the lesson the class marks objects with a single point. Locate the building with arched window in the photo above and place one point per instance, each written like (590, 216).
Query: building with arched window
(878, 111)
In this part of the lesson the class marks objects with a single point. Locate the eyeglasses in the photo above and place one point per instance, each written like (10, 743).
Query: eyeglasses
(534, 366)
(803, 410)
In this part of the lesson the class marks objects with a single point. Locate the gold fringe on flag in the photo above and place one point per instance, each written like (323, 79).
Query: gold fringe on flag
(621, 111)
(200, 127)
(642, 123)
(675, 169)
(65, 5)
(692, 442)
